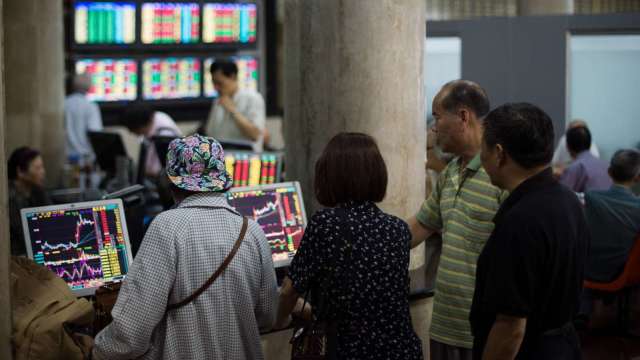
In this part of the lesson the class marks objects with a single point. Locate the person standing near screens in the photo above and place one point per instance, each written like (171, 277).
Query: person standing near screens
(181, 250)
(461, 207)
(353, 260)
(80, 117)
(562, 157)
(529, 275)
(586, 172)
(237, 114)
(142, 121)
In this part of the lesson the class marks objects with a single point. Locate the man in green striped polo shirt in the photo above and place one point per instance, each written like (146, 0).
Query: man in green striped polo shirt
(461, 207)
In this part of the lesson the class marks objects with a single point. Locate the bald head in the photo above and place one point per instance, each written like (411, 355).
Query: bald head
(463, 93)
(81, 83)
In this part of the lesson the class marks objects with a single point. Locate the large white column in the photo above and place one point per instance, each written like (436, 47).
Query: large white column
(34, 77)
(357, 65)
(5, 299)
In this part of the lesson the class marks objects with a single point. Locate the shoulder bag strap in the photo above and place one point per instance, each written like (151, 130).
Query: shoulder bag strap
(218, 272)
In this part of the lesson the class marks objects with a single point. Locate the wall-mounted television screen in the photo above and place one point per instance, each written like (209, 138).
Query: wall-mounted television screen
(229, 23)
(112, 79)
(248, 74)
(170, 23)
(170, 78)
(104, 23)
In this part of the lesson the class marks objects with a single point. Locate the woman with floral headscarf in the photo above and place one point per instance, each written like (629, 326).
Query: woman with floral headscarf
(180, 252)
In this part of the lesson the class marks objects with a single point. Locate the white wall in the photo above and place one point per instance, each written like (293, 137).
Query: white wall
(604, 88)
(443, 58)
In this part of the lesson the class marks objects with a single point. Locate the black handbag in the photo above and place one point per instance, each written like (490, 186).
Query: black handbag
(316, 339)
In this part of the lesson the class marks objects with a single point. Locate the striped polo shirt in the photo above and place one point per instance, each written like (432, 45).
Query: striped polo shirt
(462, 206)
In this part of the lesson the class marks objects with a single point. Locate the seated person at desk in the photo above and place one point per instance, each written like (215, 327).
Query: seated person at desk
(561, 157)
(613, 216)
(237, 114)
(26, 189)
(586, 172)
(353, 260)
(80, 117)
(181, 250)
(143, 121)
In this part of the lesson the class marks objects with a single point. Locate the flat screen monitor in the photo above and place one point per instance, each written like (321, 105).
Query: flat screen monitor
(86, 244)
(161, 145)
(248, 74)
(249, 168)
(279, 210)
(229, 23)
(104, 23)
(111, 79)
(170, 78)
(170, 23)
(108, 147)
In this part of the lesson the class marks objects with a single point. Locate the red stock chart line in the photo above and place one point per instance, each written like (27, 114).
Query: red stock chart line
(278, 213)
(78, 240)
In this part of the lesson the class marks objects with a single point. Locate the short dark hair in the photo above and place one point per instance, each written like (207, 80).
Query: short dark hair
(525, 132)
(137, 116)
(227, 66)
(578, 139)
(350, 168)
(20, 159)
(465, 93)
(625, 165)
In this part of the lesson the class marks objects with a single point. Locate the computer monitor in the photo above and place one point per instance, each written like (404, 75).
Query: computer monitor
(86, 244)
(248, 74)
(104, 23)
(249, 168)
(170, 23)
(227, 22)
(107, 147)
(279, 210)
(112, 79)
(170, 78)
(161, 145)
(134, 205)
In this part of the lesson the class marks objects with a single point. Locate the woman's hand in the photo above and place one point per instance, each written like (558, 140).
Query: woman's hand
(288, 300)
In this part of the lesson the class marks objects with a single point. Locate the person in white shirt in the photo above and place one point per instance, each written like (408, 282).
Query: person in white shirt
(561, 157)
(237, 114)
(143, 121)
(80, 117)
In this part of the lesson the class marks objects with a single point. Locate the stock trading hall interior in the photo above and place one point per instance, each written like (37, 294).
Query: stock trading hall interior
(320, 179)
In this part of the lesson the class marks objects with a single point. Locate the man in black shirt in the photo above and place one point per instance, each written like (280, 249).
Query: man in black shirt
(529, 274)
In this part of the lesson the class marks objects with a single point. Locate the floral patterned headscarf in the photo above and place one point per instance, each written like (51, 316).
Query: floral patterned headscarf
(196, 163)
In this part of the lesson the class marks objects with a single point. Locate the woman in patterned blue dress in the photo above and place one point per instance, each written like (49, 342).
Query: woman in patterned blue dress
(355, 258)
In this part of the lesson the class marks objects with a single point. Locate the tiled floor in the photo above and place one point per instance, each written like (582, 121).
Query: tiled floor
(602, 344)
